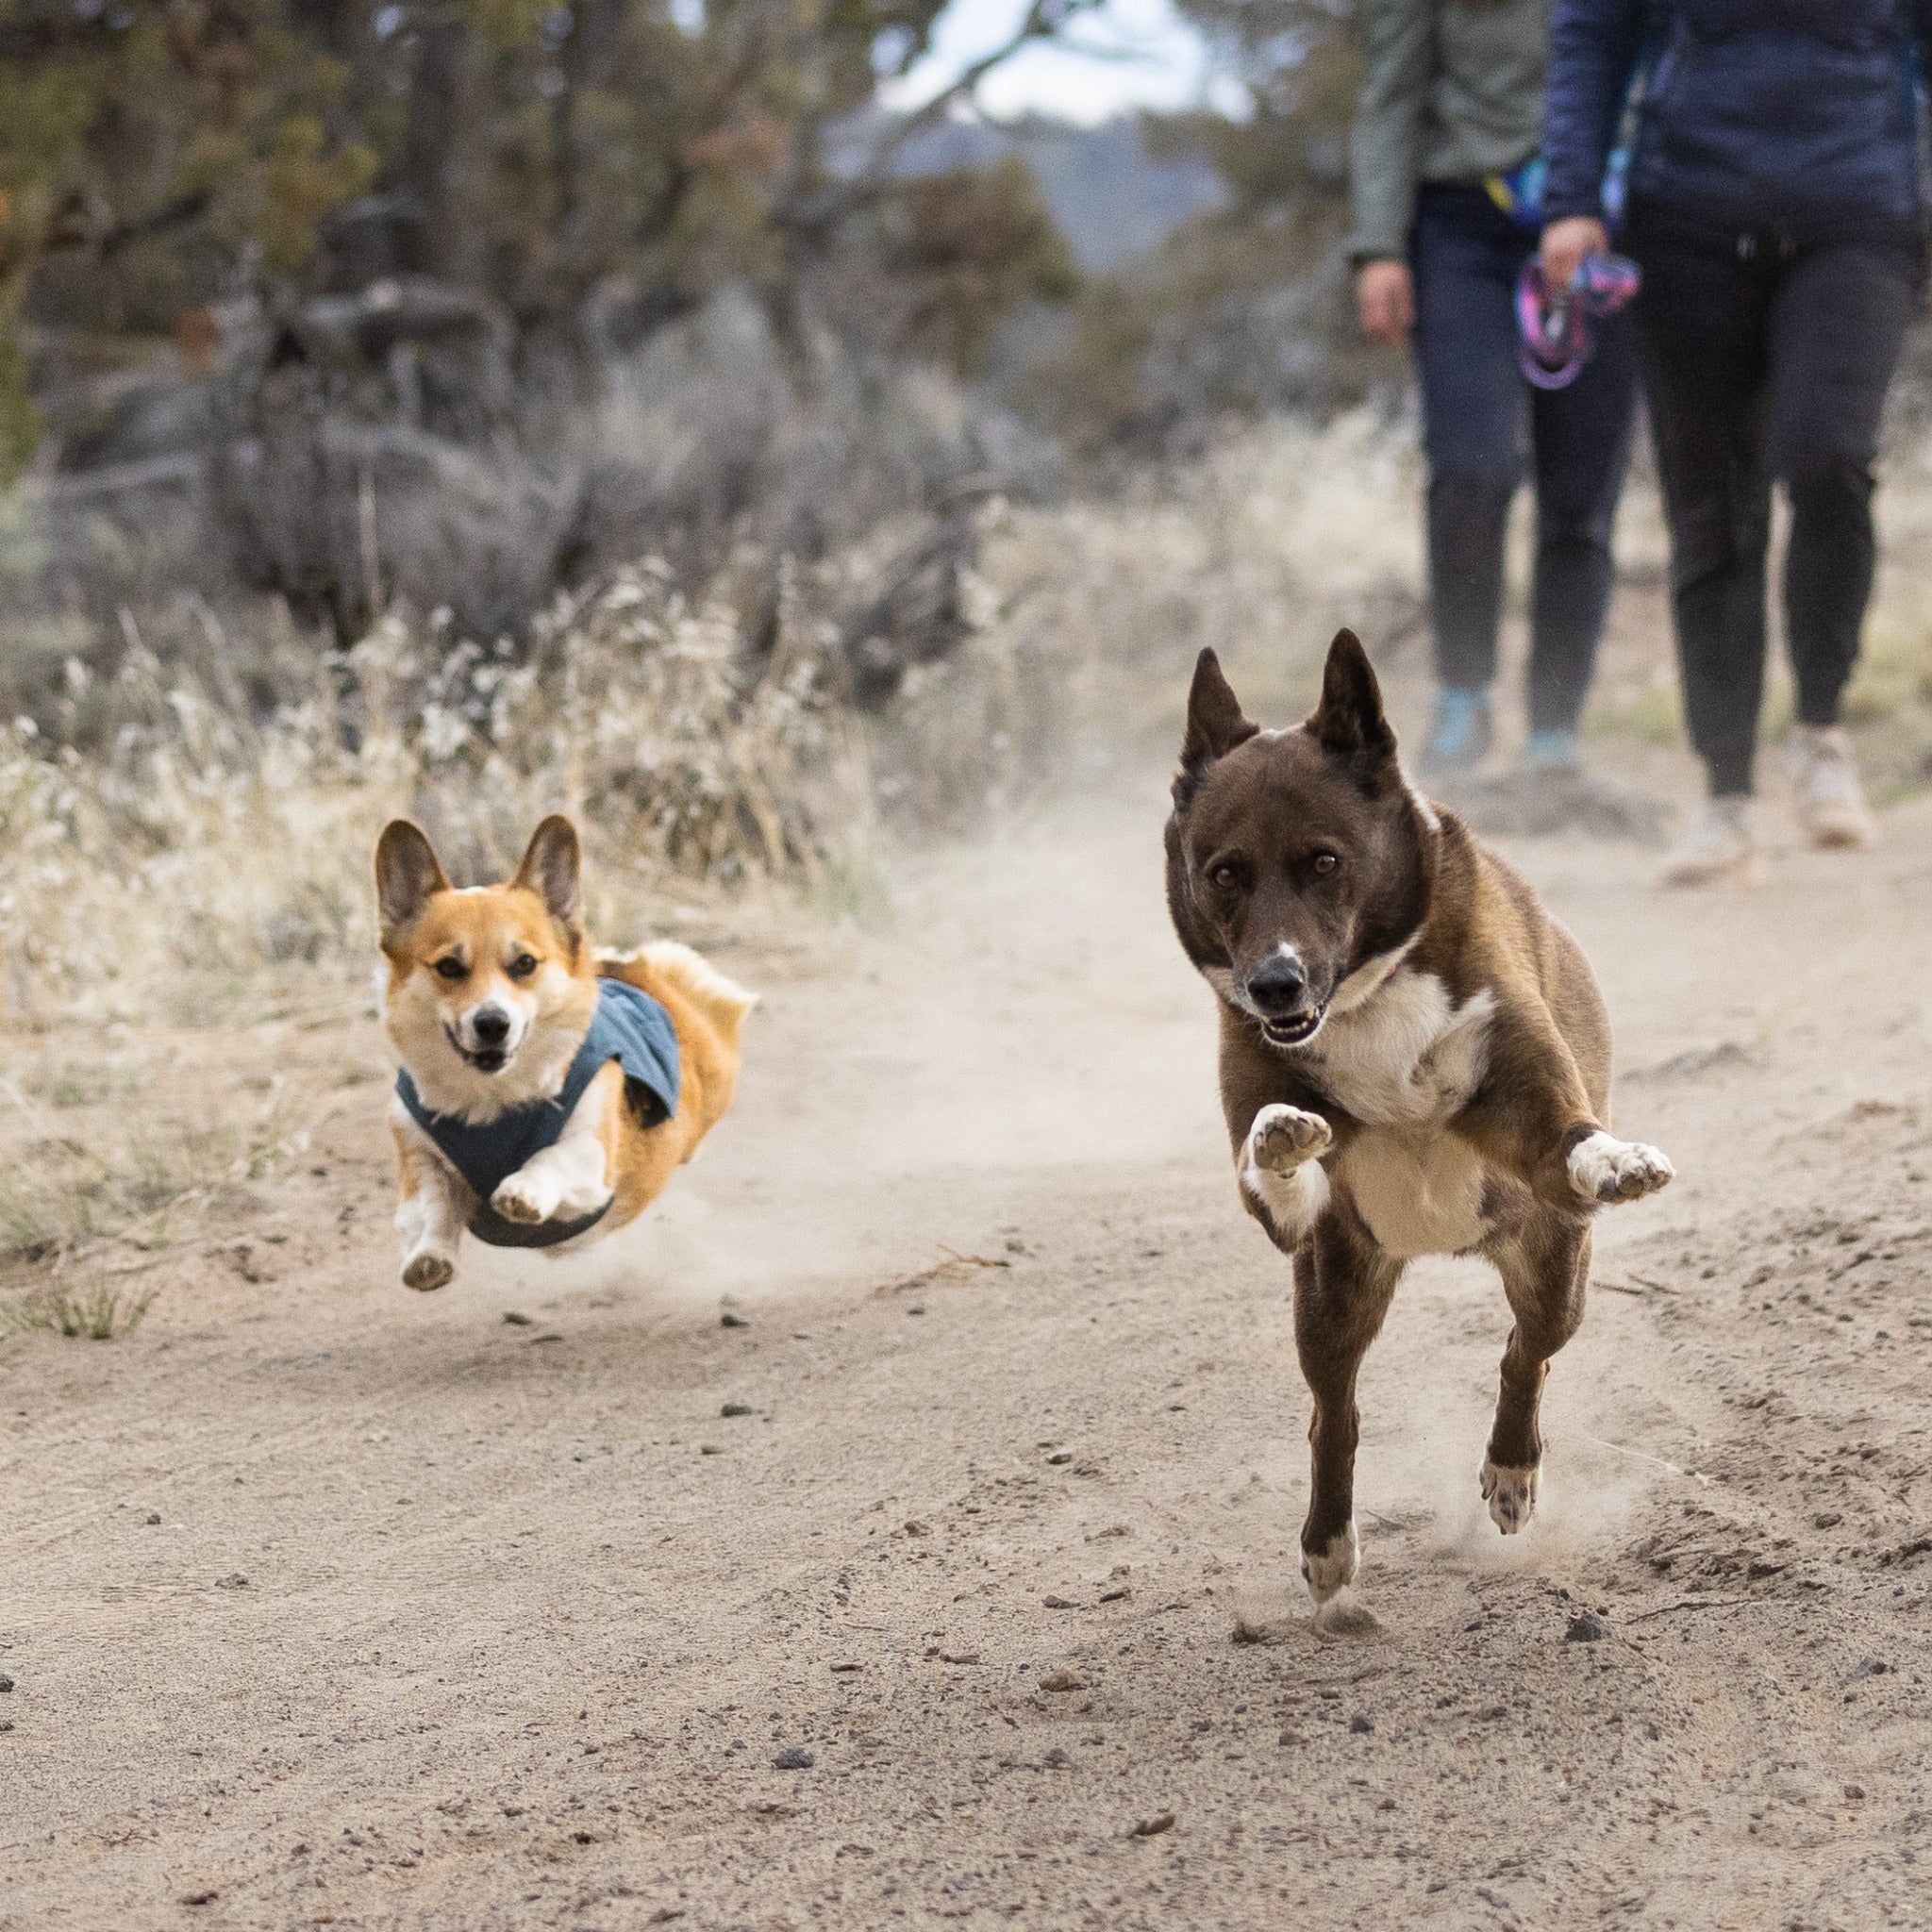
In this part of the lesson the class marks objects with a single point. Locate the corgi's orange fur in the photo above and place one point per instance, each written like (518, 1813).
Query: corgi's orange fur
(488, 992)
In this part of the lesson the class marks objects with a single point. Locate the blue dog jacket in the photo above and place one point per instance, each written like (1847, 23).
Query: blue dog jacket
(630, 1027)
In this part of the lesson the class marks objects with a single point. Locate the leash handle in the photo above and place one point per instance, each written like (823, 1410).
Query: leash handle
(1553, 323)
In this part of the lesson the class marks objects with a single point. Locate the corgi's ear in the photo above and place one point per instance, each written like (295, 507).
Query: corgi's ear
(408, 876)
(1350, 718)
(553, 868)
(1216, 725)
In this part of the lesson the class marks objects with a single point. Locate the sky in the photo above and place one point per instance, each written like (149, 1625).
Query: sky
(1129, 54)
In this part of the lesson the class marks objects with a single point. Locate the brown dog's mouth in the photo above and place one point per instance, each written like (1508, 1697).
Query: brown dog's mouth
(1295, 1029)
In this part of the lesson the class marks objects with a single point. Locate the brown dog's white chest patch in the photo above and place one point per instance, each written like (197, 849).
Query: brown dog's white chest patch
(1404, 1063)
(1410, 1057)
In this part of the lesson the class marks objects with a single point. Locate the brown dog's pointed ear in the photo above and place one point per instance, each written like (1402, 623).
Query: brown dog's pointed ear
(553, 869)
(1216, 723)
(1350, 719)
(408, 876)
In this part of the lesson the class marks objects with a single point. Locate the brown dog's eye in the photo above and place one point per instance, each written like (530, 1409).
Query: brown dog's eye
(451, 967)
(1325, 863)
(522, 966)
(1224, 876)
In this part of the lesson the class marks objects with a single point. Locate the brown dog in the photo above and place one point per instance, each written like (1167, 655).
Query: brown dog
(1414, 1059)
(547, 1093)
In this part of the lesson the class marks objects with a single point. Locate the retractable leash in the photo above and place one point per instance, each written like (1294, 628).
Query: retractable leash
(1556, 328)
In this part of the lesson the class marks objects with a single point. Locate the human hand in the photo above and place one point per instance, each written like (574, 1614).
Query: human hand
(1565, 244)
(1384, 299)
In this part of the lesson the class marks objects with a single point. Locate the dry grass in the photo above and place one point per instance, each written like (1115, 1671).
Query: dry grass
(182, 841)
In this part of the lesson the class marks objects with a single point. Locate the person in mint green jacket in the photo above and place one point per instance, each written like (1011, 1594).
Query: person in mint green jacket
(1446, 176)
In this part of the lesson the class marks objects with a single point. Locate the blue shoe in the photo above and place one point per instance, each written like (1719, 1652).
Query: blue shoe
(1460, 738)
(1551, 751)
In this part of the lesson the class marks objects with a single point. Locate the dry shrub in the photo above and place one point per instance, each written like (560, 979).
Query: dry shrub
(195, 842)
(163, 835)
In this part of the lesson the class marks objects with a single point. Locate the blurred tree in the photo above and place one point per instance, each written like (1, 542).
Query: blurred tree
(158, 156)
(1241, 309)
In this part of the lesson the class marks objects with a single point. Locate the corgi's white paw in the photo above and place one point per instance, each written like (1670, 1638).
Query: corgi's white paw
(1510, 1494)
(1284, 1138)
(1603, 1168)
(527, 1197)
(1332, 1568)
(429, 1268)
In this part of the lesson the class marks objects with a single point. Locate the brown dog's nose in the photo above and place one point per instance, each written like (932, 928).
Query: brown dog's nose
(490, 1025)
(1277, 985)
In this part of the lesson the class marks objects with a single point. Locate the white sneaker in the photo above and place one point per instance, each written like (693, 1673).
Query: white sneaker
(1721, 844)
(1824, 776)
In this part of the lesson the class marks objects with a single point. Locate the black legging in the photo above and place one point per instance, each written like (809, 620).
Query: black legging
(1765, 358)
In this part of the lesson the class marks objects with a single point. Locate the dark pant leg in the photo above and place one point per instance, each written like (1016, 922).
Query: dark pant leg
(1581, 438)
(1837, 323)
(1700, 325)
(1463, 254)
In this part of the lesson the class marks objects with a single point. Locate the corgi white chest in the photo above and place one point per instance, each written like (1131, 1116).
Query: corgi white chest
(1403, 1062)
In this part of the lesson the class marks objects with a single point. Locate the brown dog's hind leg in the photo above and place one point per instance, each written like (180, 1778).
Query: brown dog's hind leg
(1344, 1283)
(1544, 1270)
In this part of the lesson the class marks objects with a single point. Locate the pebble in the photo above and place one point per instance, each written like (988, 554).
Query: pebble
(1153, 1827)
(736, 1409)
(154, 1516)
(727, 1320)
(516, 1319)
(236, 1581)
(1058, 1602)
(1586, 1628)
(1061, 1455)
(199, 1898)
(710, 1449)
(1063, 1680)
(5, 1682)
(1361, 1724)
(793, 1758)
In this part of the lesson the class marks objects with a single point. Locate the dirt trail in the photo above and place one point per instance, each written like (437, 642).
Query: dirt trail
(526, 1619)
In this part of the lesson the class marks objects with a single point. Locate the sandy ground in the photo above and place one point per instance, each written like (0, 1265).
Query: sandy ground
(327, 1603)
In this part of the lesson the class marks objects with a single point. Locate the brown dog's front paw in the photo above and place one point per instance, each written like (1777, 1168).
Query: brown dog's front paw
(1285, 1138)
(428, 1268)
(1604, 1169)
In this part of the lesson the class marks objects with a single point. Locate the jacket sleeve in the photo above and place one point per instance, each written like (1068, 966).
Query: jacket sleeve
(1593, 50)
(1382, 148)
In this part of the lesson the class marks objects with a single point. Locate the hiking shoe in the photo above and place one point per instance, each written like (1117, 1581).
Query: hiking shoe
(1459, 737)
(1824, 776)
(1721, 844)
(1551, 751)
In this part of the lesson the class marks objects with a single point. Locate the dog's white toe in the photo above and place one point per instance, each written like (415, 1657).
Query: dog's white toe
(428, 1268)
(522, 1198)
(1603, 1168)
(1284, 1138)
(1510, 1494)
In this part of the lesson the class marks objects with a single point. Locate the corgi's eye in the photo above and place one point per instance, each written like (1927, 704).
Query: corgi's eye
(451, 967)
(1325, 863)
(522, 966)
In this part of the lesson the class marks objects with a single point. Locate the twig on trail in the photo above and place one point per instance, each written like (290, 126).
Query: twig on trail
(1687, 1603)
(1655, 1461)
(1645, 1286)
(950, 1268)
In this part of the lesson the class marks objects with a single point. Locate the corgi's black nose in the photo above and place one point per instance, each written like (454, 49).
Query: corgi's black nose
(1278, 984)
(490, 1025)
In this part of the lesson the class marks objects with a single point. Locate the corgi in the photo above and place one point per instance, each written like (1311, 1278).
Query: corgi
(1415, 1059)
(547, 1091)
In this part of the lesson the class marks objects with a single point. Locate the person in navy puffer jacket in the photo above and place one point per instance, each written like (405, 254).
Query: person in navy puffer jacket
(1777, 210)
